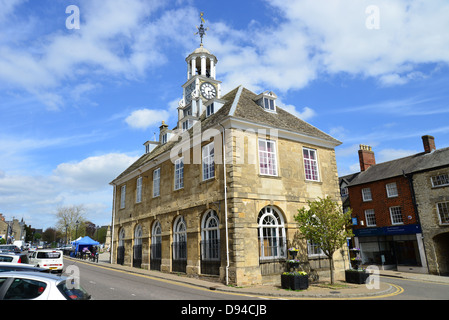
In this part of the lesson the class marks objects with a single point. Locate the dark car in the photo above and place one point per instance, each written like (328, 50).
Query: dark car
(9, 248)
(11, 266)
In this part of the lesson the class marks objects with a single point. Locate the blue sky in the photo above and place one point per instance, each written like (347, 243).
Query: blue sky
(76, 105)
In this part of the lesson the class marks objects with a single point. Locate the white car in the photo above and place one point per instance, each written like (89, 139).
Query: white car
(48, 259)
(39, 286)
(12, 257)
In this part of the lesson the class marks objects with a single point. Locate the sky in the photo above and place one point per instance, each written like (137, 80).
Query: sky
(84, 83)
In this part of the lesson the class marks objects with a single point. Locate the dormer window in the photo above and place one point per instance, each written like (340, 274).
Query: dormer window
(164, 138)
(268, 104)
(267, 100)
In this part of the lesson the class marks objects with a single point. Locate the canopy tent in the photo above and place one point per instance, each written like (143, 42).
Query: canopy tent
(80, 244)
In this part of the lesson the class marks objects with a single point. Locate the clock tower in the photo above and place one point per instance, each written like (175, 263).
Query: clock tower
(201, 92)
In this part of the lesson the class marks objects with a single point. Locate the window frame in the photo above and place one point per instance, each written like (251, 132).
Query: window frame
(123, 196)
(271, 166)
(364, 194)
(158, 181)
(444, 207)
(139, 187)
(311, 164)
(314, 249)
(394, 214)
(370, 215)
(440, 180)
(269, 104)
(179, 174)
(210, 110)
(389, 189)
(273, 233)
(208, 161)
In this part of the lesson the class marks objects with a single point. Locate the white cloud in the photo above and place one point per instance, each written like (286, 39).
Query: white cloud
(84, 182)
(319, 38)
(144, 118)
(118, 39)
(392, 154)
(306, 113)
(92, 173)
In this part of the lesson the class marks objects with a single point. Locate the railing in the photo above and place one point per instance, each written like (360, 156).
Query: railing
(156, 256)
(179, 260)
(210, 257)
(137, 256)
(121, 255)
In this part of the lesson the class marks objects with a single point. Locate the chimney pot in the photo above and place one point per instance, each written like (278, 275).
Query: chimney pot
(428, 143)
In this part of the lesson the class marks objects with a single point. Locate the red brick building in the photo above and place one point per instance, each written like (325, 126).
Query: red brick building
(385, 218)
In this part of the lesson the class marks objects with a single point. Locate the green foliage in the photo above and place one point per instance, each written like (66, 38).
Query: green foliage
(325, 223)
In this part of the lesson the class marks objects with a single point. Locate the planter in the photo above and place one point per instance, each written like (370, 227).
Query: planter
(294, 282)
(357, 277)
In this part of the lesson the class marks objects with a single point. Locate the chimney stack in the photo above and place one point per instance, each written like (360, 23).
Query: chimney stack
(366, 157)
(428, 143)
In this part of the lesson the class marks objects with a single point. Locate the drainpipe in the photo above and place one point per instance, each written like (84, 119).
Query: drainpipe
(225, 205)
(111, 252)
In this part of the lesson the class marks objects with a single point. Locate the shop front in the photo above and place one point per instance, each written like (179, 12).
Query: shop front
(396, 247)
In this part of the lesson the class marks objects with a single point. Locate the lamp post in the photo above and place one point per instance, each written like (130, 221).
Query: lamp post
(76, 234)
(66, 240)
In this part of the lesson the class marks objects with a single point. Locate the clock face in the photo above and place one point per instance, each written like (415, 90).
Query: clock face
(208, 90)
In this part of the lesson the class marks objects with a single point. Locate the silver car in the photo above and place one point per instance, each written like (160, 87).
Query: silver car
(15, 285)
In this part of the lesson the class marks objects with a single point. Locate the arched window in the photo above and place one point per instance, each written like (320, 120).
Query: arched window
(121, 237)
(180, 239)
(138, 235)
(272, 241)
(156, 233)
(121, 247)
(137, 256)
(210, 243)
(156, 247)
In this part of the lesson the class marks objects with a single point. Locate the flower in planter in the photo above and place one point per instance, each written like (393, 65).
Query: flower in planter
(293, 249)
(356, 259)
(293, 261)
(355, 249)
(294, 273)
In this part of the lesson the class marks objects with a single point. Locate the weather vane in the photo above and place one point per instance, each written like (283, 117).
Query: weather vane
(201, 29)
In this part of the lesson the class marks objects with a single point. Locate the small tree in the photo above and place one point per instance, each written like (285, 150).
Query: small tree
(325, 223)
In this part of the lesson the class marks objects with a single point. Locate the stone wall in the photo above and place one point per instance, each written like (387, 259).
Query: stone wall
(248, 193)
(435, 233)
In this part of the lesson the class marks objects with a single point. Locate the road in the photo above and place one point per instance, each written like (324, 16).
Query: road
(108, 284)
(418, 289)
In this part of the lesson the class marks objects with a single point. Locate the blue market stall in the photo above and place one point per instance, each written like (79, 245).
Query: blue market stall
(82, 243)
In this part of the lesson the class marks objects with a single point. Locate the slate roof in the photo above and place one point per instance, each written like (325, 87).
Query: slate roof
(411, 164)
(242, 107)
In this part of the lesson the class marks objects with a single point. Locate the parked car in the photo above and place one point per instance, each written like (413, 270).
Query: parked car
(13, 257)
(9, 248)
(38, 286)
(49, 259)
(11, 266)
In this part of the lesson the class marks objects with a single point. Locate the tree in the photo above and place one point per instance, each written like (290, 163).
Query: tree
(325, 223)
(68, 218)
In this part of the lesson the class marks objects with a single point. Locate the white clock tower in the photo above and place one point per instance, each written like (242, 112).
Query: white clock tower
(201, 92)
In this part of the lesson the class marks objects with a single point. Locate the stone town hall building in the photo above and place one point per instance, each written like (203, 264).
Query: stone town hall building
(179, 209)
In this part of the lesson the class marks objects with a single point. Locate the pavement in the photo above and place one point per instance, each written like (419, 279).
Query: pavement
(319, 290)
